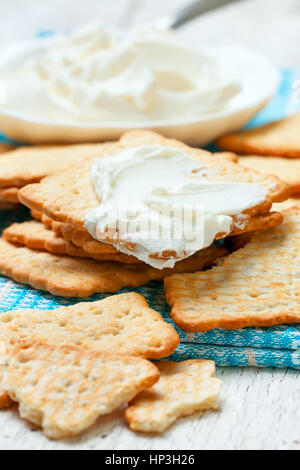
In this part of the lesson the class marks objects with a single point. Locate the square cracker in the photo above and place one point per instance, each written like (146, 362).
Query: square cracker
(69, 196)
(75, 277)
(64, 389)
(280, 138)
(255, 286)
(122, 324)
(30, 164)
(287, 170)
(184, 388)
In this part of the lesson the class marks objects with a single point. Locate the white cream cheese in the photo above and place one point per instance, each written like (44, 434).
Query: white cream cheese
(158, 199)
(92, 75)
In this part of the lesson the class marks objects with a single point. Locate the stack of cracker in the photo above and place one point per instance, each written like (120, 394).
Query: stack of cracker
(56, 252)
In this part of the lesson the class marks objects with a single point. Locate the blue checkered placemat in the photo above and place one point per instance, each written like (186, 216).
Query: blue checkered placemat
(263, 347)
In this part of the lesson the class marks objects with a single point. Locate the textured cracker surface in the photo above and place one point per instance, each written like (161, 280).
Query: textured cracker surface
(36, 236)
(280, 138)
(292, 202)
(258, 285)
(287, 170)
(65, 389)
(69, 196)
(184, 388)
(75, 277)
(30, 164)
(120, 324)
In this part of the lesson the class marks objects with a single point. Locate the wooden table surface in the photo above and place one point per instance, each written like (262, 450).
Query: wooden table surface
(260, 407)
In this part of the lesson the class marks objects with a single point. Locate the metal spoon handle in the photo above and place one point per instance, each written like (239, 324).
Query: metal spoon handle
(191, 11)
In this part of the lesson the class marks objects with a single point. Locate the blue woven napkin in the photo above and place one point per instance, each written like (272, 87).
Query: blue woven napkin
(263, 347)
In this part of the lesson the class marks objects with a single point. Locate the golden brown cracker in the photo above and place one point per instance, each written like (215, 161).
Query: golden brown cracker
(183, 389)
(123, 324)
(5, 147)
(64, 389)
(9, 195)
(30, 164)
(69, 196)
(35, 235)
(4, 206)
(280, 138)
(287, 204)
(287, 170)
(5, 400)
(255, 286)
(75, 277)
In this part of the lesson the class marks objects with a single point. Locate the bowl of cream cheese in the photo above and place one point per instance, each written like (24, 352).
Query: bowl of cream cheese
(91, 85)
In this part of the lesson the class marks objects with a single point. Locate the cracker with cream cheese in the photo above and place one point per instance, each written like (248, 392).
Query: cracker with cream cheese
(255, 286)
(68, 197)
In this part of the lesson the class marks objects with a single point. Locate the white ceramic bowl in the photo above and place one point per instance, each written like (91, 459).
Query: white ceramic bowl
(258, 77)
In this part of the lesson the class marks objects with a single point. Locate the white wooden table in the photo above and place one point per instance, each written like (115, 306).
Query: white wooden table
(260, 408)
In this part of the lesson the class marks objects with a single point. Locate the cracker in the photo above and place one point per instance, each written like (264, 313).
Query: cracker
(183, 389)
(36, 236)
(280, 138)
(287, 170)
(7, 206)
(65, 389)
(5, 400)
(255, 286)
(9, 195)
(83, 239)
(123, 324)
(4, 147)
(75, 277)
(70, 196)
(30, 164)
(287, 204)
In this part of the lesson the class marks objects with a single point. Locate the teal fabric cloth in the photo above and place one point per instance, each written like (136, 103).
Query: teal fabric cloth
(263, 347)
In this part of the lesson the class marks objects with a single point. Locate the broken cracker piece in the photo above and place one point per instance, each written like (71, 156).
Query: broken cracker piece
(183, 389)
(65, 389)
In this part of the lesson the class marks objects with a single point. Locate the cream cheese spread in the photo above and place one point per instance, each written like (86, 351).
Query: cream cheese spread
(91, 74)
(158, 200)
